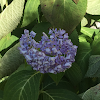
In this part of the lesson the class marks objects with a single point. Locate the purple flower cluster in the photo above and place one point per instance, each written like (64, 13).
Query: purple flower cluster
(50, 55)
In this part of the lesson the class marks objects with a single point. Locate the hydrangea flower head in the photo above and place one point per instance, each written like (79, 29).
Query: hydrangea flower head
(52, 54)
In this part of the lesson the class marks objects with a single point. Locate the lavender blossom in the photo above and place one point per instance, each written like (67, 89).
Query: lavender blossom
(50, 55)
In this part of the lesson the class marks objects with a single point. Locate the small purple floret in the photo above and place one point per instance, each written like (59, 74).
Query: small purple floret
(50, 55)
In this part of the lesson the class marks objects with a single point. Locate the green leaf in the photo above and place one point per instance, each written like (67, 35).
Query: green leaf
(82, 38)
(0, 56)
(1, 95)
(85, 38)
(30, 12)
(24, 67)
(93, 7)
(98, 20)
(23, 85)
(92, 94)
(95, 45)
(56, 77)
(80, 95)
(40, 28)
(74, 74)
(10, 17)
(84, 85)
(74, 37)
(84, 22)
(59, 94)
(92, 21)
(89, 31)
(7, 41)
(3, 82)
(50, 84)
(94, 66)
(10, 61)
(2, 3)
(64, 14)
(82, 57)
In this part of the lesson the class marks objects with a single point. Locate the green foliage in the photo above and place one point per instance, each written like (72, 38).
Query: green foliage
(2, 3)
(7, 41)
(94, 66)
(3, 82)
(84, 85)
(30, 12)
(83, 54)
(18, 81)
(50, 84)
(10, 17)
(59, 94)
(82, 38)
(74, 74)
(84, 22)
(93, 7)
(89, 31)
(92, 94)
(56, 77)
(24, 67)
(1, 95)
(74, 37)
(24, 84)
(10, 61)
(95, 45)
(58, 14)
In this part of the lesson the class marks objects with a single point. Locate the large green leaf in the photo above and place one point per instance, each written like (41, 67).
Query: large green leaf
(95, 45)
(30, 12)
(10, 61)
(83, 54)
(74, 74)
(23, 85)
(93, 7)
(89, 31)
(59, 94)
(57, 77)
(7, 41)
(64, 14)
(10, 17)
(94, 66)
(92, 94)
(63, 84)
